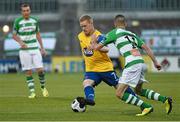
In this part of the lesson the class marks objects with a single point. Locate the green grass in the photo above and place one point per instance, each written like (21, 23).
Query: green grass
(63, 88)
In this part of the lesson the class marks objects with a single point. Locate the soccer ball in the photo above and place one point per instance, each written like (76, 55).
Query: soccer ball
(77, 107)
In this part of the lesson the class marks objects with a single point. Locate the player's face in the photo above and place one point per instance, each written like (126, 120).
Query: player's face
(87, 27)
(26, 12)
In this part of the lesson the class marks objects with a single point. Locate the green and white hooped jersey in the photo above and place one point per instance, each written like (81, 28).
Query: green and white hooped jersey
(26, 30)
(127, 44)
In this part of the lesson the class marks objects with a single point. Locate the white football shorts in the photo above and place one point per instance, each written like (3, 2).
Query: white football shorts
(30, 59)
(133, 75)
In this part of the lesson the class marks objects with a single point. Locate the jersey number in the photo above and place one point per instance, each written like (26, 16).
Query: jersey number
(134, 51)
(114, 75)
(132, 41)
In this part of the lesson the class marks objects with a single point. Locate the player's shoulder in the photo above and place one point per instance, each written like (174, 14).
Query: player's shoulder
(112, 32)
(34, 18)
(123, 31)
(18, 19)
(97, 32)
(81, 35)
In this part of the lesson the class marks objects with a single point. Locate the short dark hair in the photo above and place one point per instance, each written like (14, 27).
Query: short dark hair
(119, 18)
(85, 17)
(25, 5)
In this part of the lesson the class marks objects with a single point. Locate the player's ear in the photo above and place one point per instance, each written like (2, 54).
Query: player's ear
(91, 21)
(115, 25)
(125, 24)
(29, 10)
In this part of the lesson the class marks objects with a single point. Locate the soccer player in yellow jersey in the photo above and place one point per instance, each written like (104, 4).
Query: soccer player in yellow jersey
(98, 66)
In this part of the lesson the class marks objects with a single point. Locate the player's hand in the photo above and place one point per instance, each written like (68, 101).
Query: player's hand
(93, 42)
(90, 47)
(23, 46)
(43, 52)
(93, 39)
(158, 66)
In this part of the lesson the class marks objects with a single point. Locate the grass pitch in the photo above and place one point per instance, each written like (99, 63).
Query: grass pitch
(63, 88)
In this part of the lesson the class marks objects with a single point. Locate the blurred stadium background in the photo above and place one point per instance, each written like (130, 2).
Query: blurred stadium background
(156, 21)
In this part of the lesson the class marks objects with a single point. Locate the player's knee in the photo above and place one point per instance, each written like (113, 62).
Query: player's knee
(119, 94)
(120, 90)
(41, 72)
(29, 73)
(138, 91)
(87, 83)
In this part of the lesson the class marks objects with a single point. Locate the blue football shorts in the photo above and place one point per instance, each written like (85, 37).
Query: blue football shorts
(109, 77)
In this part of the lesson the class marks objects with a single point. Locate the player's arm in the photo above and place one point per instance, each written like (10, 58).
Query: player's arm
(16, 37)
(142, 45)
(95, 45)
(19, 41)
(102, 40)
(151, 55)
(38, 36)
(98, 47)
(104, 49)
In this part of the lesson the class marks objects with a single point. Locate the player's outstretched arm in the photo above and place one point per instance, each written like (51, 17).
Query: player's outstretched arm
(97, 46)
(104, 49)
(94, 46)
(151, 55)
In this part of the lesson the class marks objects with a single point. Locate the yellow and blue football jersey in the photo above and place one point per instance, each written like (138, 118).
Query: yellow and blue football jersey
(95, 61)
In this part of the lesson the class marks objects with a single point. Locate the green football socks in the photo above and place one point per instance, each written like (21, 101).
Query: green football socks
(150, 94)
(42, 80)
(30, 82)
(131, 99)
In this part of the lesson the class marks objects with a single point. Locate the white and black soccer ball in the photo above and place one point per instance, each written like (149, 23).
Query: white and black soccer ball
(77, 107)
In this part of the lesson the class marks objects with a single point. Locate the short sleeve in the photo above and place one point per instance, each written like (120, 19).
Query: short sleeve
(15, 27)
(139, 42)
(110, 37)
(37, 26)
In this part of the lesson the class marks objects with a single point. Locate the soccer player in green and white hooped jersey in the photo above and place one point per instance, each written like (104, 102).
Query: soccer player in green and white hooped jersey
(133, 73)
(26, 33)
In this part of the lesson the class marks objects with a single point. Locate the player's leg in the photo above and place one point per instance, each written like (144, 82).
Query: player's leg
(130, 77)
(30, 83)
(90, 80)
(112, 79)
(89, 91)
(38, 64)
(134, 100)
(25, 59)
(150, 94)
(41, 75)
